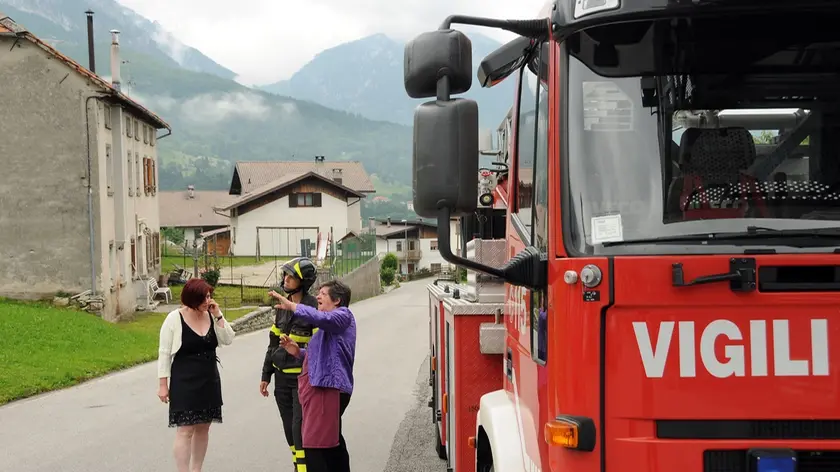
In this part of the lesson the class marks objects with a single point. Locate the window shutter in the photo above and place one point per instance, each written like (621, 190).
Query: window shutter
(154, 176)
(316, 199)
(146, 179)
(293, 203)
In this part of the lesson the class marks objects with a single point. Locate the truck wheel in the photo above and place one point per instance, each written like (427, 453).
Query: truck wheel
(439, 447)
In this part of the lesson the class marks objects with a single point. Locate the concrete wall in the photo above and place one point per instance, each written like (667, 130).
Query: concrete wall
(364, 282)
(44, 235)
(128, 211)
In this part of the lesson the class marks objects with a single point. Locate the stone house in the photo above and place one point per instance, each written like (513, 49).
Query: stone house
(78, 190)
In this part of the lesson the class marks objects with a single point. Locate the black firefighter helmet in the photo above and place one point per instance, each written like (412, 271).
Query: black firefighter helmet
(302, 269)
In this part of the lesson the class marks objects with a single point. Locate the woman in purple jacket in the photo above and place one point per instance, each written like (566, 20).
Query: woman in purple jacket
(325, 383)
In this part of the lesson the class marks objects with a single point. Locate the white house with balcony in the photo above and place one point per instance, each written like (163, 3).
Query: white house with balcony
(415, 243)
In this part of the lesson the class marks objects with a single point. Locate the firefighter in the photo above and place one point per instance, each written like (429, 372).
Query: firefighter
(298, 277)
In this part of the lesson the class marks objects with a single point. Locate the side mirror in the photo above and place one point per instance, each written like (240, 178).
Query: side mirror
(445, 157)
(445, 161)
(434, 55)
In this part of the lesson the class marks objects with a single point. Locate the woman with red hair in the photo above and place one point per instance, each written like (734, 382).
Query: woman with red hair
(187, 360)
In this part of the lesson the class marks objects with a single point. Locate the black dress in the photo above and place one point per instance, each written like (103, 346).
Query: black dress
(195, 389)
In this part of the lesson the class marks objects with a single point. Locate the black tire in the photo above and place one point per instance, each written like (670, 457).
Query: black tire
(439, 447)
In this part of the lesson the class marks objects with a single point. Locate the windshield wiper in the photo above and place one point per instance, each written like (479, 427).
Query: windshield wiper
(828, 235)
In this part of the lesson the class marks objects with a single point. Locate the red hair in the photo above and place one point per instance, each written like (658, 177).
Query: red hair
(195, 292)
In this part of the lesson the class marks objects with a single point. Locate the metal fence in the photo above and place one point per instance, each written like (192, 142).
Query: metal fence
(351, 253)
(248, 279)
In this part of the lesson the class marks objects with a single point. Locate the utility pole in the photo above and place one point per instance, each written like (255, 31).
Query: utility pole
(195, 257)
(405, 225)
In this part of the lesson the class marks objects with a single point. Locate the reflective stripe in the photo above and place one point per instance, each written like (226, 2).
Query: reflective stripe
(292, 370)
(295, 337)
(300, 339)
(297, 269)
(300, 460)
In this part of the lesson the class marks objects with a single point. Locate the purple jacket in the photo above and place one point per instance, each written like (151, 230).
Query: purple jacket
(332, 348)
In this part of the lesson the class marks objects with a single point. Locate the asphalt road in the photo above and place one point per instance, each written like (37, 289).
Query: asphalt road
(116, 423)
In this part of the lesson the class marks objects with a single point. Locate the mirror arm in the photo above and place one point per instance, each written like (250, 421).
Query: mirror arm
(528, 268)
(445, 249)
(539, 29)
(443, 89)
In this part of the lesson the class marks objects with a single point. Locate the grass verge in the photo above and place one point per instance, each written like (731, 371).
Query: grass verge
(46, 348)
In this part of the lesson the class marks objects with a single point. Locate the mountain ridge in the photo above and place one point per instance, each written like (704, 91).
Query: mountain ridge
(365, 76)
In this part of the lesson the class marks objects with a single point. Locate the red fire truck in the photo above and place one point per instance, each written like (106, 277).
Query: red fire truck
(668, 264)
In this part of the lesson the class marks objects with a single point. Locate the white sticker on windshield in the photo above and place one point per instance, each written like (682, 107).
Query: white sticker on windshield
(606, 107)
(606, 229)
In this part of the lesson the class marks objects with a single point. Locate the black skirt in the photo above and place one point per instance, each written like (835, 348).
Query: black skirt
(195, 388)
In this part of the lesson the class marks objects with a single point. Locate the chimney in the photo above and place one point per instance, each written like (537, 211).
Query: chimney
(336, 175)
(91, 52)
(372, 223)
(115, 59)
(191, 191)
(388, 221)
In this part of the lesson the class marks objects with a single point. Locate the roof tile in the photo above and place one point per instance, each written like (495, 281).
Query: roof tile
(8, 26)
(253, 175)
(178, 210)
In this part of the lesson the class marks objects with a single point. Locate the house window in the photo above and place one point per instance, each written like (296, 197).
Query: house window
(399, 245)
(435, 267)
(128, 126)
(411, 245)
(109, 170)
(106, 110)
(137, 130)
(145, 134)
(433, 246)
(149, 176)
(153, 250)
(152, 136)
(309, 199)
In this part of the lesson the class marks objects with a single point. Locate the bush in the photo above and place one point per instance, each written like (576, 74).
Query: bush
(212, 276)
(390, 261)
(386, 275)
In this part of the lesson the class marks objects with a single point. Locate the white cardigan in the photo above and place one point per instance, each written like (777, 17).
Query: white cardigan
(170, 340)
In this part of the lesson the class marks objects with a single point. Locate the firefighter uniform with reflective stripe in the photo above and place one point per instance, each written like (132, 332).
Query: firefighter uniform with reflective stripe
(286, 368)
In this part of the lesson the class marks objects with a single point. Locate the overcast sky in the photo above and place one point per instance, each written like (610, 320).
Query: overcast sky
(268, 40)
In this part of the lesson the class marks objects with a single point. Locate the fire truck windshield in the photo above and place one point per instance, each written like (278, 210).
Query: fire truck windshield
(655, 161)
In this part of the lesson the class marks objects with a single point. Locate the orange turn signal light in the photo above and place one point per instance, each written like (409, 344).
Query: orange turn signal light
(572, 432)
(445, 403)
(561, 433)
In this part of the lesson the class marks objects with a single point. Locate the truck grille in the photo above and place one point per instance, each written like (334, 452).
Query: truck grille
(736, 461)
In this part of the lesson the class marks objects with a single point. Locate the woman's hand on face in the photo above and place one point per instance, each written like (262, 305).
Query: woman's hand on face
(214, 308)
